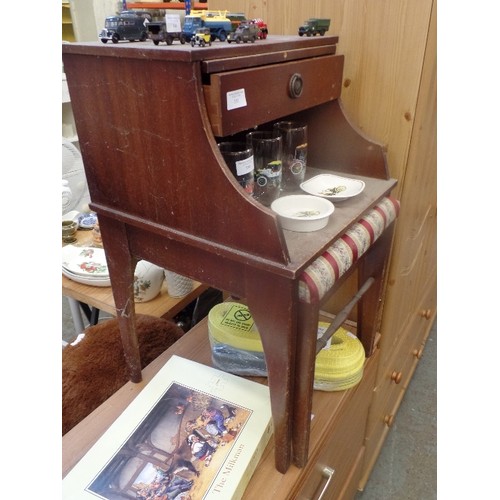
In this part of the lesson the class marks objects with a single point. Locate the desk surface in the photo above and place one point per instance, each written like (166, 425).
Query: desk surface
(102, 297)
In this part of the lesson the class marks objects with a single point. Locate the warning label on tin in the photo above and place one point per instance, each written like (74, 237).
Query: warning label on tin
(239, 318)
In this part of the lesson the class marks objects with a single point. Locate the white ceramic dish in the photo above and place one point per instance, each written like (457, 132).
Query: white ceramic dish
(333, 187)
(86, 280)
(85, 261)
(302, 212)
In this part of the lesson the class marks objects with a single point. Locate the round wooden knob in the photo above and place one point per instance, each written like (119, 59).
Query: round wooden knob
(389, 420)
(418, 352)
(426, 313)
(396, 376)
(295, 85)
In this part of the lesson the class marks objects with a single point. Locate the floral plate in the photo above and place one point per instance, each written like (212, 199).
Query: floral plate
(333, 187)
(85, 261)
(87, 220)
(87, 280)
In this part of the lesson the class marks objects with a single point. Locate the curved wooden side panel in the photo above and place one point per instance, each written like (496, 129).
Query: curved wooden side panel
(336, 144)
(149, 152)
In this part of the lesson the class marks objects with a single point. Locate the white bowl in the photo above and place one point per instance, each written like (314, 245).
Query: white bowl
(303, 213)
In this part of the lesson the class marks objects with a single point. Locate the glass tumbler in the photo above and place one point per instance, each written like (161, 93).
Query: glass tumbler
(267, 150)
(239, 158)
(294, 136)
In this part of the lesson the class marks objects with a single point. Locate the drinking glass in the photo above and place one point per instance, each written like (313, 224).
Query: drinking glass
(267, 150)
(239, 158)
(294, 136)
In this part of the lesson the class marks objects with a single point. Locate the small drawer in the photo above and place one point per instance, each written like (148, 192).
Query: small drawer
(243, 99)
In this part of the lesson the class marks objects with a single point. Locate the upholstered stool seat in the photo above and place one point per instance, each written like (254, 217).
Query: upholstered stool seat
(322, 274)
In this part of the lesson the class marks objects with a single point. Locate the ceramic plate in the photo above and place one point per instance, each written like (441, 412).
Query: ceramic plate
(86, 280)
(333, 187)
(87, 220)
(85, 261)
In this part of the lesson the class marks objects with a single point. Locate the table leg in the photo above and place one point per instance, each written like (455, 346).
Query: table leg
(121, 267)
(76, 314)
(271, 301)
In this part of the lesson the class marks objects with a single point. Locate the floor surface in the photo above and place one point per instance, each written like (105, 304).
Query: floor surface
(406, 468)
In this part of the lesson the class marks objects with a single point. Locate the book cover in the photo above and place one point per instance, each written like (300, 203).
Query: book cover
(194, 432)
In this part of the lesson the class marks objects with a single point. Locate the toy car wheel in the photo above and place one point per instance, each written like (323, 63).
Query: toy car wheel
(104, 40)
(222, 36)
(252, 39)
(169, 40)
(144, 37)
(156, 42)
(115, 38)
(202, 43)
(192, 42)
(182, 39)
(238, 39)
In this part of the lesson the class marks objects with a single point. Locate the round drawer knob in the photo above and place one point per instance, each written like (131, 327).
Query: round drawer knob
(426, 313)
(418, 352)
(389, 420)
(396, 376)
(295, 86)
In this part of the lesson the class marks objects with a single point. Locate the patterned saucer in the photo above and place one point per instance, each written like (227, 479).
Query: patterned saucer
(87, 220)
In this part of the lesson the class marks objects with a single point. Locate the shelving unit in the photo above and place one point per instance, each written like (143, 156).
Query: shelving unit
(68, 33)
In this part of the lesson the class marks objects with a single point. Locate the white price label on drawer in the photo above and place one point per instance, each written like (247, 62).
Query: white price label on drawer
(236, 99)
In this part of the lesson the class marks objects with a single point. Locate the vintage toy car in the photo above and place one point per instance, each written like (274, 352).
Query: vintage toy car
(125, 26)
(201, 37)
(245, 32)
(314, 26)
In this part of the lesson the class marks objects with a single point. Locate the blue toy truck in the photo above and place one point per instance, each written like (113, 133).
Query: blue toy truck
(220, 26)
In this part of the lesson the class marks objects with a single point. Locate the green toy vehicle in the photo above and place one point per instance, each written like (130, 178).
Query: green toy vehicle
(314, 26)
(245, 32)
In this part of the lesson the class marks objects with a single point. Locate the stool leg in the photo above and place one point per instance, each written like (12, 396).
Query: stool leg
(304, 380)
(373, 265)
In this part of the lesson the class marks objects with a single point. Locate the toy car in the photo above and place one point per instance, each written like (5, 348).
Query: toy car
(245, 32)
(201, 37)
(125, 26)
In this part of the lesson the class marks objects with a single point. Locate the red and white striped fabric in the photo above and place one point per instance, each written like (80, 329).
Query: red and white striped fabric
(321, 275)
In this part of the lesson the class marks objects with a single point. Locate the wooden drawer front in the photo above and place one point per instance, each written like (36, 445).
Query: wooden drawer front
(388, 396)
(352, 483)
(418, 328)
(393, 377)
(262, 94)
(339, 453)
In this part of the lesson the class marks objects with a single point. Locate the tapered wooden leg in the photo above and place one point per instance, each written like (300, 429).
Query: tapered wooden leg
(121, 267)
(271, 301)
(369, 308)
(304, 380)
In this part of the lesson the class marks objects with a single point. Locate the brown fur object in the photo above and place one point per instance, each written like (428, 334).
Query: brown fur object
(95, 368)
